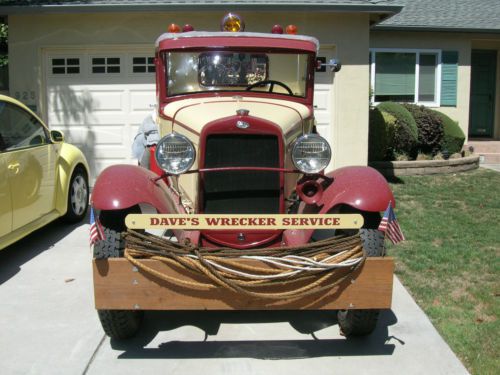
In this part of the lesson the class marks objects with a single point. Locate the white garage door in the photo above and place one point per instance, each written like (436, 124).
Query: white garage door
(98, 99)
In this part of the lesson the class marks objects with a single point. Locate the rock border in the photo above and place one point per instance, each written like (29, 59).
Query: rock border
(425, 167)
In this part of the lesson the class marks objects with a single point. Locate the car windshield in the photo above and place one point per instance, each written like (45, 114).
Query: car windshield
(201, 71)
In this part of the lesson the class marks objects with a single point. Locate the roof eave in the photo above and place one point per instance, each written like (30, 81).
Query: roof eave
(436, 29)
(388, 10)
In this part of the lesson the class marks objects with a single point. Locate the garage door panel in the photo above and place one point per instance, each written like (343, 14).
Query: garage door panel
(108, 101)
(101, 135)
(142, 100)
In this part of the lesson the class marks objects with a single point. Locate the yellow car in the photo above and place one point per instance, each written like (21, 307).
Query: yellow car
(42, 178)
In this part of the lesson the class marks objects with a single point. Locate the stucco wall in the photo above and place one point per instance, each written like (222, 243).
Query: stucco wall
(348, 33)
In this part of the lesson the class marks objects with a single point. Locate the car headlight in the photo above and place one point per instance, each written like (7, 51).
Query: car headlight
(175, 153)
(311, 153)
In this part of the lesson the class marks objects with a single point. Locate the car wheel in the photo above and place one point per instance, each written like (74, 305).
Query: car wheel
(117, 324)
(363, 322)
(78, 197)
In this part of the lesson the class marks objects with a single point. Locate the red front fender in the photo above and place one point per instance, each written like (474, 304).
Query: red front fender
(362, 188)
(122, 186)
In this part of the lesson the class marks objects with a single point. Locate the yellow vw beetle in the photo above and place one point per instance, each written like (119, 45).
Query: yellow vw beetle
(41, 177)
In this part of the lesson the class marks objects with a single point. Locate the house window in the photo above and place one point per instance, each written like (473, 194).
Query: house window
(105, 65)
(61, 65)
(143, 65)
(406, 76)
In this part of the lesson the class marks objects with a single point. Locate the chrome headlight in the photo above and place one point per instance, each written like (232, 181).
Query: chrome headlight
(311, 153)
(175, 153)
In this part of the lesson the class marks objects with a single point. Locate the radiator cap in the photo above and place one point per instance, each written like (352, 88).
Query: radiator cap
(242, 112)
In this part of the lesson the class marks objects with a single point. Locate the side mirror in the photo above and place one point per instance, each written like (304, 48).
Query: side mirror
(334, 65)
(57, 136)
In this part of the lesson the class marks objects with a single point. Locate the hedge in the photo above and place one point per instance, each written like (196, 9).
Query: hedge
(454, 138)
(381, 131)
(405, 134)
(430, 128)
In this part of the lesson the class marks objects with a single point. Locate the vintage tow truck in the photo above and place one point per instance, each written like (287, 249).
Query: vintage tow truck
(235, 113)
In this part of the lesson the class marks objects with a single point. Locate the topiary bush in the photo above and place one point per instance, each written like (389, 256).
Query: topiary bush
(404, 134)
(380, 134)
(430, 128)
(453, 138)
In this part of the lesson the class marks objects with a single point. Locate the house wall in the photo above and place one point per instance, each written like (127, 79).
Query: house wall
(346, 34)
(461, 42)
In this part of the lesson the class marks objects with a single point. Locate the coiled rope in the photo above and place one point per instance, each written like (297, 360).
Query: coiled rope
(296, 271)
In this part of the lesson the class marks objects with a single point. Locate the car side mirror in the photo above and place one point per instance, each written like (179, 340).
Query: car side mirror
(57, 136)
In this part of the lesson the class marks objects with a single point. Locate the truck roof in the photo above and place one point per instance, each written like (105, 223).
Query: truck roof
(193, 39)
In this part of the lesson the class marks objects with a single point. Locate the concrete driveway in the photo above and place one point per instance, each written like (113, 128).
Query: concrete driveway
(49, 326)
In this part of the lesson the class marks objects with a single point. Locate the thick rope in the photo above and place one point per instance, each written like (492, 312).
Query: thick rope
(317, 265)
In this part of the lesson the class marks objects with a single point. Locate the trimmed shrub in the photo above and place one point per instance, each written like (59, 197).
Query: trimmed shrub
(430, 128)
(405, 135)
(454, 138)
(380, 134)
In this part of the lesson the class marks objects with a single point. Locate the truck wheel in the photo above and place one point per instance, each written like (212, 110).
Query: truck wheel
(78, 197)
(117, 324)
(120, 324)
(363, 322)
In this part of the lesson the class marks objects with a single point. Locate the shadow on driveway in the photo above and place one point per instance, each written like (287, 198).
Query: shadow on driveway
(22, 251)
(306, 322)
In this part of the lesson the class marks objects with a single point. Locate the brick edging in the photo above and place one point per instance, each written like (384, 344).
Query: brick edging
(425, 167)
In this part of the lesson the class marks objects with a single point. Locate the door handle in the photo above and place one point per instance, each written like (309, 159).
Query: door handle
(14, 167)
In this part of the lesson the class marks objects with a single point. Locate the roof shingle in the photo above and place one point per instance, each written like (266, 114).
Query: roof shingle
(450, 15)
(11, 6)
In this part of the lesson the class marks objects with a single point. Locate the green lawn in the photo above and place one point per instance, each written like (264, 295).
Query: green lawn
(450, 261)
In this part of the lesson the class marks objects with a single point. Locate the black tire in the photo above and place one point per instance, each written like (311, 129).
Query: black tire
(117, 324)
(363, 322)
(111, 246)
(120, 324)
(357, 322)
(78, 196)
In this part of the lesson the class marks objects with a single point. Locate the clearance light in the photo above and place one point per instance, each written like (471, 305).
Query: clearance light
(232, 22)
(277, 29)
(173, 28)
(187, 27)
(291, 29)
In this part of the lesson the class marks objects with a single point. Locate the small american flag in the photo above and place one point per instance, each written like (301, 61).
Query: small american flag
(96, 231)
(389, 224)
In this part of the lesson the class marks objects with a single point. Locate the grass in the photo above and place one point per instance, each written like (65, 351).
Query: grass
(451, 260)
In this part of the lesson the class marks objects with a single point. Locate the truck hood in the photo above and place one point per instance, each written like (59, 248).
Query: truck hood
(193, 114)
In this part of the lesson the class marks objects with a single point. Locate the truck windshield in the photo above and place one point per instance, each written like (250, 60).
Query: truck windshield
(196, 72)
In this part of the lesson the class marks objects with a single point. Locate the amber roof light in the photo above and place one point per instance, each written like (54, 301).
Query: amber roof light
(232, 22)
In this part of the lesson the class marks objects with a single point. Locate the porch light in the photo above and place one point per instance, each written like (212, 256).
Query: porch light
(174, 28)
(232, 22)
(291, 29)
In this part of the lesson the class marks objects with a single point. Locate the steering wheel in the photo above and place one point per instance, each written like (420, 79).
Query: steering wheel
(271, 84)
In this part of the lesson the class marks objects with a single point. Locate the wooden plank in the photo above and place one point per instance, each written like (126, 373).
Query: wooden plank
(119, 285)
